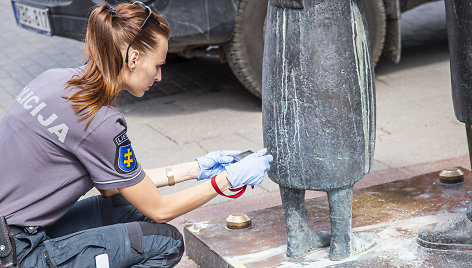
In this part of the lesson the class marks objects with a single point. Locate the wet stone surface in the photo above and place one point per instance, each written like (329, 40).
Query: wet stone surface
(390, 213)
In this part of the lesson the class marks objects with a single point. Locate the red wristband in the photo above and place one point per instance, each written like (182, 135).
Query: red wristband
(240, 189)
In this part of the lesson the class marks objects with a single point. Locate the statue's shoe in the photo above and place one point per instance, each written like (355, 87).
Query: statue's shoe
(359, 243)
(455, 234)
(301, 243)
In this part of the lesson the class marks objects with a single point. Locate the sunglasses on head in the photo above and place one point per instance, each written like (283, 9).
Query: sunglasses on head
(150, 14)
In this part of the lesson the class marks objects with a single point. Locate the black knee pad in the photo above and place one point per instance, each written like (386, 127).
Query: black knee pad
(149, 228)
(135, 235)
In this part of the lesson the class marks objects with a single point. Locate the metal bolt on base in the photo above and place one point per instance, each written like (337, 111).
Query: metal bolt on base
(451, 176)
(238, 221)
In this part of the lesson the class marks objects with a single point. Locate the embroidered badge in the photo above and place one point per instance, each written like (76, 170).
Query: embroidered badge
(125, 161)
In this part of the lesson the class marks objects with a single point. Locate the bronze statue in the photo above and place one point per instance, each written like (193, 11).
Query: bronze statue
(318, 114)
(457, 233)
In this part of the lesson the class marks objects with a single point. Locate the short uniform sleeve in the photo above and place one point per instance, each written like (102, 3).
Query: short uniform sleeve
(107, 155)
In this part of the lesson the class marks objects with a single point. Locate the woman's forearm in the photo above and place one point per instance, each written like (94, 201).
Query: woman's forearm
(162, 208)
(182, 172)
(181, 202)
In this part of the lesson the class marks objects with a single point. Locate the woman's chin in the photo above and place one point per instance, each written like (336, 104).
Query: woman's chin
(137, 94)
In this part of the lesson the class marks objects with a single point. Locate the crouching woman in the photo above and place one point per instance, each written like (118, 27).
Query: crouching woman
(61, 138)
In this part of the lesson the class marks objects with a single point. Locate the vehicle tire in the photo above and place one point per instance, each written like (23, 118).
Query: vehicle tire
(244, 51)
(374, 11)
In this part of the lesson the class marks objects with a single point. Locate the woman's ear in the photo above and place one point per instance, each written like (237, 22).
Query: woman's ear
(133, 59)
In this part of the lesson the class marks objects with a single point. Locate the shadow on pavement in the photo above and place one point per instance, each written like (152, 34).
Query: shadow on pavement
(202, 75)
(414, 57)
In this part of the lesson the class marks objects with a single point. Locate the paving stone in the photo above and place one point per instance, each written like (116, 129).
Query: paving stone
(420, 135)
(205, 124)
(11, 86)
(149, 144)
(229, 141)
(34, 69)
(5, 104)
(378, 166)
(254, 134)
(21, 76)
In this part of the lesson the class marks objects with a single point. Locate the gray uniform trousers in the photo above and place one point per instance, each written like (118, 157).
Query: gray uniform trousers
(96, 226)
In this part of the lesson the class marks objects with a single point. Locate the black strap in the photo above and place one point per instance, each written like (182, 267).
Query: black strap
(48, 260)
(5, 242)
(7, 246)
(106, 209)
(135, 235)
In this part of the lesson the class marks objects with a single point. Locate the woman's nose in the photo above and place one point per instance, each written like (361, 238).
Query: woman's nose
(158, 77)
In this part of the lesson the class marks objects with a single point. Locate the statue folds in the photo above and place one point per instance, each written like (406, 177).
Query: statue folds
(318, 114)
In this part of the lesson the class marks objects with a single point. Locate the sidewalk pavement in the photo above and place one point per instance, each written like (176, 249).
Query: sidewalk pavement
(200, 107)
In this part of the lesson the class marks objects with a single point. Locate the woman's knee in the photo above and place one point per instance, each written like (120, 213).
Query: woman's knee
(158, 242)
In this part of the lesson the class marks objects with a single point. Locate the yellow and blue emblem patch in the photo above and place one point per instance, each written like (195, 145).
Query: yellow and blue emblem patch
(125, 161)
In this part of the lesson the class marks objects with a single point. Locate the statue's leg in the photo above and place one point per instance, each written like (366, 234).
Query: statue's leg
(300, 237)
(343, 242)
(456, 234)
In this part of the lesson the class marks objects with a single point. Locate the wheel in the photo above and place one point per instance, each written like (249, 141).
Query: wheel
(374, 11)
(244, 51)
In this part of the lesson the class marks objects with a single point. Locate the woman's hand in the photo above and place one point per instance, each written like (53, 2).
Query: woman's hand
(250, 170)
(214, 163)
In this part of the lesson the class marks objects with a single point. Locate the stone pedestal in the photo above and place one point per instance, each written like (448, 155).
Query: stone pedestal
(390, 213)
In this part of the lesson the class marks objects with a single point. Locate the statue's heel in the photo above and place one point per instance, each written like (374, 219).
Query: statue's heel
(300, 237)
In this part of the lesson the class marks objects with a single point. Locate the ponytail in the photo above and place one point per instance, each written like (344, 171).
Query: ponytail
(108, 30)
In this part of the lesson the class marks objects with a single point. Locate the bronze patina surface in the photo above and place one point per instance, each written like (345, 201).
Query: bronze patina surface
(391, 213)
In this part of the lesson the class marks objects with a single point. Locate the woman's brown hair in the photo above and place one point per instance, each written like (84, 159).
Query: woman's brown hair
(109, 30)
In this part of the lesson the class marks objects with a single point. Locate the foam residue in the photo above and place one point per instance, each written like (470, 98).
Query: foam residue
(395, 242)
(255, 257)
(196, 227)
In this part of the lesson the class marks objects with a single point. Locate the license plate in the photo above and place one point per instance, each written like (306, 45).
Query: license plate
(33, 18)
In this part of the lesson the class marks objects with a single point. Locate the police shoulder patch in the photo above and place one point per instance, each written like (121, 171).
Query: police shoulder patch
(125, 161)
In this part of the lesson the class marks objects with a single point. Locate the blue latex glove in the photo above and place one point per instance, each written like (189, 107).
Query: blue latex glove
(250, 170)
(214, 163)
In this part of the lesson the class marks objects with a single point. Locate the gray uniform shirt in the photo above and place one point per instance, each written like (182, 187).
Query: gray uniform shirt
(48, 159)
